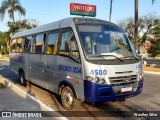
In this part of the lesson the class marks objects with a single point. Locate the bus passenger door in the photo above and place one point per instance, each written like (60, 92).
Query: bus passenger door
(69, 64)
(27, 50)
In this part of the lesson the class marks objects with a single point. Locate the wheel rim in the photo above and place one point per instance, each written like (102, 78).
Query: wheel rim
(68, 99)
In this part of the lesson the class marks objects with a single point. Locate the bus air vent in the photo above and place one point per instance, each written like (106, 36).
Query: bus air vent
(123, 80)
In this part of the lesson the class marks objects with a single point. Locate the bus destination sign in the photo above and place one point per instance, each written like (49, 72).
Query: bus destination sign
(82, 9)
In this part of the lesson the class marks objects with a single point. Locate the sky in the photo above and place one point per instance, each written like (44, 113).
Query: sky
(46, 11)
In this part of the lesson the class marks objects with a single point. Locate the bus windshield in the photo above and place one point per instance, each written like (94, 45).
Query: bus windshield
(105, 42)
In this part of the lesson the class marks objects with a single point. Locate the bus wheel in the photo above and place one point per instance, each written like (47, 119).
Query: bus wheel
(22, 78)
(67, 98)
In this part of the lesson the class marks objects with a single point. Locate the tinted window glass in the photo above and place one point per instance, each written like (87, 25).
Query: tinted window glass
(19, 45)
(38, 46)
(65, 37)
(13, 45)
(104, 41)
(68, 39)
(27, 44)
(52, 38)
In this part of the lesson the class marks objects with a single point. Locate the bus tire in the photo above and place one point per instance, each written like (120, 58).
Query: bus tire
(22, 78)
(67, 98)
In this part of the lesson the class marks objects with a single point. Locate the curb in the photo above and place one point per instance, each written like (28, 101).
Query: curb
(7, 83)
(150, 72)
(4, 60)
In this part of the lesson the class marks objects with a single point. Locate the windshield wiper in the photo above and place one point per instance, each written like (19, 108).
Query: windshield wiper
(131, 57)
(112, 56)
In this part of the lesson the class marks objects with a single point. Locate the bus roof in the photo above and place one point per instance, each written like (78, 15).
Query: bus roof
(56, 25)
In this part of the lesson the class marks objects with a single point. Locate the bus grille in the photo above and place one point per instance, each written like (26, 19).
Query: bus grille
(123, 80)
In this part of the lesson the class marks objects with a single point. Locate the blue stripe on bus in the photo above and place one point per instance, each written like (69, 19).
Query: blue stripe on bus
(104, 93)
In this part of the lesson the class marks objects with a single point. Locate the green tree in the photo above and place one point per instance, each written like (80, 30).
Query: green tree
(154, 49)
(10, 7)
(4, 42)
(7, 38)
(21, 25)
(145, 24)
(136, 24)
(155, 31)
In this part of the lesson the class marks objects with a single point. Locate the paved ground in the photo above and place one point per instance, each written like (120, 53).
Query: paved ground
(12, 99)
(148, 100)
(149, 68)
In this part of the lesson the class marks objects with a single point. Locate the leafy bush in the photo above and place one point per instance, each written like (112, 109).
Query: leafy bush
(154, 49)
(4, 50)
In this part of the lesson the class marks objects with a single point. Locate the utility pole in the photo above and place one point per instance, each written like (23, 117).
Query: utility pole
(136, 26)
(110, 14)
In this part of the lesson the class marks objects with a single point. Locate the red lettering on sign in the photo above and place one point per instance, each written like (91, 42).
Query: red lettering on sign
(82, 8)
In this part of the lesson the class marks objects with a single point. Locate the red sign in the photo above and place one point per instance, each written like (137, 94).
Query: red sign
(82, 9)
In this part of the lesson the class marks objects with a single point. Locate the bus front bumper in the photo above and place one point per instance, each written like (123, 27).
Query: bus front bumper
(104, 93)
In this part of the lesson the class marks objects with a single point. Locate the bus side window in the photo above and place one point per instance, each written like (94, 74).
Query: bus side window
(73, 48)
(19, 45)
(65, 37)
(27, 44)
(68, 38)
(13, 45)
(38, 45)
(52, 39)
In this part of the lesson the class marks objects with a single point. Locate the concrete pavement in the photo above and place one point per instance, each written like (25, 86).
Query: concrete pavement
(13, 99)
(150, 72)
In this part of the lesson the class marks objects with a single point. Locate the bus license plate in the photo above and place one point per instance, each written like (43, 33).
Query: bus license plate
(126, 88)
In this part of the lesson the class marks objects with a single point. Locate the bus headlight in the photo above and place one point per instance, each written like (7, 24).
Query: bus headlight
(89, 78)
(96, 80)
(101, 81)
